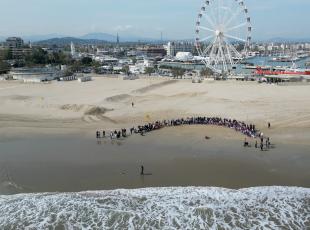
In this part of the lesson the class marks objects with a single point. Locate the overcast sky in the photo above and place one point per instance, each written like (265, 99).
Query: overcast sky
(147, 18)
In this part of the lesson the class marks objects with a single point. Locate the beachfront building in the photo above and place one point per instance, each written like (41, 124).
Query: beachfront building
(105, 59)
(152, 51)
(184, 56)
(33, 75)
(175, 47)
(140, 66)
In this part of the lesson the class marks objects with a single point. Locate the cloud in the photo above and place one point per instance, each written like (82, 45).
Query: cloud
(123, 27)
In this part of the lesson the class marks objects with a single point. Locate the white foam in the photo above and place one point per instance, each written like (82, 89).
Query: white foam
(160, 208)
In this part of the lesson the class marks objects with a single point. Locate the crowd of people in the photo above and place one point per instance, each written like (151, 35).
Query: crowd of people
(239, 126)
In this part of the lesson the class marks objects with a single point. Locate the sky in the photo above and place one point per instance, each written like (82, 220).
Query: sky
(145, 18)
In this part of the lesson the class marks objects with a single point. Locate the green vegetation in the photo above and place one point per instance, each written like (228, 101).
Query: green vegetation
(38, 56)
(126, 70)
(4, 67)
(85, 62)
(177, 72)
(5, 55)
(206, 72)
(149, 70)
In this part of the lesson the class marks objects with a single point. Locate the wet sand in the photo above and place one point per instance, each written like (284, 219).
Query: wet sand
(176, 156)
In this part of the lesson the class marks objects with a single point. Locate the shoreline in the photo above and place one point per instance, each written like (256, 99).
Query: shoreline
(49, 131)
(175, 156)
(176, 207)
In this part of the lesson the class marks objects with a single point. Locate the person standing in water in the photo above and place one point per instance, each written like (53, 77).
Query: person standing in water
(142, 170)
(132, 104)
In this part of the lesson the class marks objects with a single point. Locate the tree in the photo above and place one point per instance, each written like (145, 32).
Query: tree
(6, 54)
(149, 70)
(59, 58)
(177, 72)
(68, 72)
(4, 67)
(126, 69)
(86, 61)
(76, 67)
(134, 60)
(96, 65)
(206, 72)
(37, 57)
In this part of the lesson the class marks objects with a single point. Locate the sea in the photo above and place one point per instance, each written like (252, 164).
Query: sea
(160, 208)
(41, 179)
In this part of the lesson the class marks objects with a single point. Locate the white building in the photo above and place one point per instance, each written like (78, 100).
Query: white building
(184, 56)
(139, 67)
(33, 74)
(174, 47)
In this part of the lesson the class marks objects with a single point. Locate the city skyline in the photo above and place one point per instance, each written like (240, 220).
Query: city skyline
(278, 18)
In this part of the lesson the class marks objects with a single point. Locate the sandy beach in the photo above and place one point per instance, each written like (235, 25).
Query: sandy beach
(106, 103)
(48, 131)
(49, 156)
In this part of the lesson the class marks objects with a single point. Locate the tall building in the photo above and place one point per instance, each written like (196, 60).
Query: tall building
(174, 47)
(152, 51)
(73, 53)
(117, 39)
(14, 42)
(17, 48)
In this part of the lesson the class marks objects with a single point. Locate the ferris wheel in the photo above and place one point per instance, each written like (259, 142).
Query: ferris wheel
(223, 34)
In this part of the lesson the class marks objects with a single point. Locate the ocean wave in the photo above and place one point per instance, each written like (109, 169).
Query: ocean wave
(160, 208)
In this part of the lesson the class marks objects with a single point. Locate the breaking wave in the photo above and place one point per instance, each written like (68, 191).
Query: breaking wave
(160, 208)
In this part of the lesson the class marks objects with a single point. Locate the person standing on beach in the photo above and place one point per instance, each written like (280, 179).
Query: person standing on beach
(132, 104)
(269, 125)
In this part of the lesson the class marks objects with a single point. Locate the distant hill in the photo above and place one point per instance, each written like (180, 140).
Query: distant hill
(113, 38)
(288, 40)
(99, 36)
(36, 38)
(94, 39)
(68, 40)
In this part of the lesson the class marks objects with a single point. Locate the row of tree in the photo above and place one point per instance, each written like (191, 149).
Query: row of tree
(40, 57)
(5, 55)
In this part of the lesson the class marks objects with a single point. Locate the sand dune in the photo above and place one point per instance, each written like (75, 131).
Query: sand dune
(118, 98)
(154, 86)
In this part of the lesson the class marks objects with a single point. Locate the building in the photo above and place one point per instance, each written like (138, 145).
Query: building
(16, 46)
(20, 53)
(152, 51)
(14, 43)
(175, 47)
(184, 56)
(33, 74)
(140, 66)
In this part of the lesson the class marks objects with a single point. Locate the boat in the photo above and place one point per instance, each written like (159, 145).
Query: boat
(285, 58)
(290, 71)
